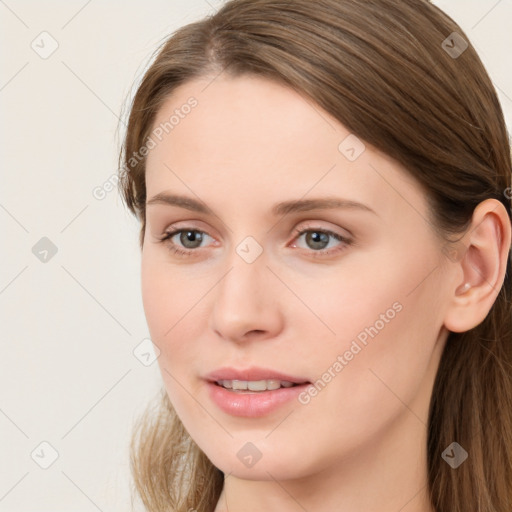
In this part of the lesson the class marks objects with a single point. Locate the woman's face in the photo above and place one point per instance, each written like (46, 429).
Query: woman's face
(303, 257)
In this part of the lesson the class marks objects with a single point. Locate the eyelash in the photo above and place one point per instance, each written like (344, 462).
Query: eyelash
(297, 232)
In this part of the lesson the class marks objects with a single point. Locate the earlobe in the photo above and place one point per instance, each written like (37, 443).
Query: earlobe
(483, 266)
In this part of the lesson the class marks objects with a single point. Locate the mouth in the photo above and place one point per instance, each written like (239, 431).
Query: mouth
(254, 392)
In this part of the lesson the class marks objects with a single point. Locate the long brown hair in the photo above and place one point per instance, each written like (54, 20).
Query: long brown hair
(388, 71)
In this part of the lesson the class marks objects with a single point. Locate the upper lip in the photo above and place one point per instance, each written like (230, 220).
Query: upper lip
(252, 374)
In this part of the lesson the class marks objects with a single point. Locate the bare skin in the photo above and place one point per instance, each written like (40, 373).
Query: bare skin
(359, 443)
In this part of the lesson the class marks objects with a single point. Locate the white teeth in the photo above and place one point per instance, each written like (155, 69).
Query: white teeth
(262, 385)
(254, 385)
(239, 385)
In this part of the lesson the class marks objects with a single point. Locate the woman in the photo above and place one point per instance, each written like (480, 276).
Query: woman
(324, 196)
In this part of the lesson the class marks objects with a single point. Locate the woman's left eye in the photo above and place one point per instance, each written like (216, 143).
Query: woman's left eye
(319, 240)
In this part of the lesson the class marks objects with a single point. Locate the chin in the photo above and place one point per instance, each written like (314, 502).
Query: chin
(243, 459)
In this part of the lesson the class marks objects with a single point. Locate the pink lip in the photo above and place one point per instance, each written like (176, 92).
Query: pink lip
(249, 404)
(252, 405)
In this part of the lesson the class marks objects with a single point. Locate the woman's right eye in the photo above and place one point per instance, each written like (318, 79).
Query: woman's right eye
(186, 240)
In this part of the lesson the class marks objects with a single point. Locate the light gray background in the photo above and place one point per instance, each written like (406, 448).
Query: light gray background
(69, 325)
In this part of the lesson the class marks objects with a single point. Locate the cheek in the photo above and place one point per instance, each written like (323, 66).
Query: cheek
(157, 294)
(385, 325)
(168, 298)
(382, 300)
(167, 292)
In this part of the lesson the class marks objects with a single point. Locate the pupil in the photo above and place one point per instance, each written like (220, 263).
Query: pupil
(317, 239)
(191, 239)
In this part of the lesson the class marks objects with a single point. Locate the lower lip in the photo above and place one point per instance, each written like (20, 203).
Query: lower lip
(252, 405)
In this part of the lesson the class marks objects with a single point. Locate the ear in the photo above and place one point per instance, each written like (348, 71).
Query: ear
(482, 264)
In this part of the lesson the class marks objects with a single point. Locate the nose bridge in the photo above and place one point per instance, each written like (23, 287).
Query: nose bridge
(242, 288)
(247, 263)
(244, 300)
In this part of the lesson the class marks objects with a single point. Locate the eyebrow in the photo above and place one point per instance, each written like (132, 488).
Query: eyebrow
(283, 208)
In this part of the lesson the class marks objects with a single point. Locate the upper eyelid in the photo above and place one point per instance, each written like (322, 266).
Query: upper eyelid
(173, 229)
(304, 223)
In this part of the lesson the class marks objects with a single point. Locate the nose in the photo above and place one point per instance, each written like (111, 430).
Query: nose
(247, 303)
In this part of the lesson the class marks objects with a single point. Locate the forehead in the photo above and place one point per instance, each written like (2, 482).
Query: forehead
(246, 116)
(248, 140)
